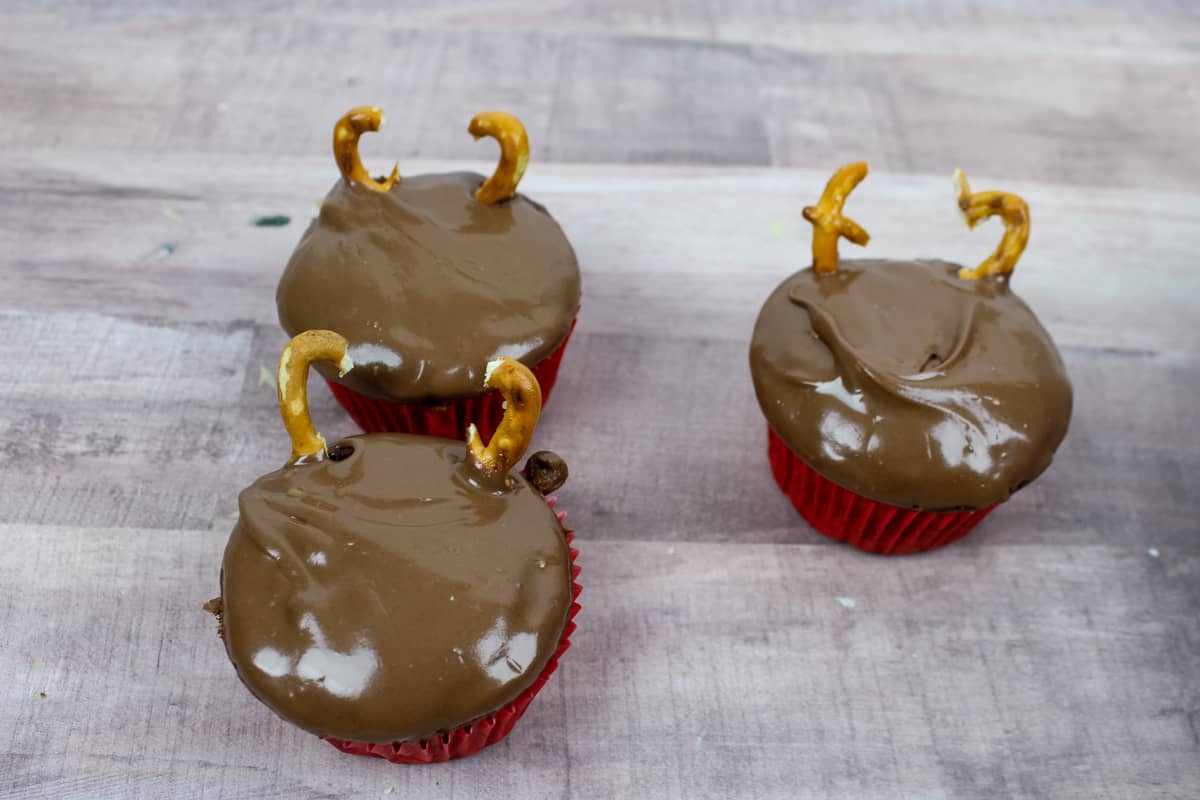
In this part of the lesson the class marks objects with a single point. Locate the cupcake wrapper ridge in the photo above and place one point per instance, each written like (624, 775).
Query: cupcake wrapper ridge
(471, 738)
(449, 419)
(859, 521)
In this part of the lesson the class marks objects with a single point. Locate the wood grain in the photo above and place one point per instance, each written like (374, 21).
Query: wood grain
(671, 291)
(700, 670)
(1080, 93)
(725, 649)
(1048, 655)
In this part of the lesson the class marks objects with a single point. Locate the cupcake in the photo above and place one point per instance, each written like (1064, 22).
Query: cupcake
(429, 278)
(400, 596)
(906, 399)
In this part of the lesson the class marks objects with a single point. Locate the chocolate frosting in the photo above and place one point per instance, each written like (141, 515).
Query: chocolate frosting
(903, 383)
(381, 596)
(428, 284)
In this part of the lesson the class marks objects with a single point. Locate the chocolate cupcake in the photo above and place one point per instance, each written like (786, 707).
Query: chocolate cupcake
(399, 596)
(906, 399)
(430, 278)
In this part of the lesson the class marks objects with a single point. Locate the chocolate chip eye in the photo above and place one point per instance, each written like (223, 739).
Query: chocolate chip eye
(341, 451)
(546, 471)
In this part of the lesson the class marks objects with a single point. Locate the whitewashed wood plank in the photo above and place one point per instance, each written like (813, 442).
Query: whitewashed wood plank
(582, 98)
(671, 291)
(698, 248)
(663, 435)
(1051, 654)
(1080, 28)
(98, 409)
(698, 671)
(1035, 93)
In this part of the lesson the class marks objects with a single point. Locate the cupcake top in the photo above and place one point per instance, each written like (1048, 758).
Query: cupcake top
(394, 586)
(919, 384)
(430, 277)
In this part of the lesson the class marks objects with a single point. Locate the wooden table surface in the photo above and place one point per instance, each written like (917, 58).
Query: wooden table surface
(725, 649)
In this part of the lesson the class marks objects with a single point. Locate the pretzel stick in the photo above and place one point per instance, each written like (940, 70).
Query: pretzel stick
(523, 405)
(828, 222)
(301, 351)
(514, 154)
(978, 206)
(353, 124)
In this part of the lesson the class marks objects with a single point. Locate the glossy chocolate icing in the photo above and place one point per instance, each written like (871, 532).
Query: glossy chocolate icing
(903, 383)
(381, 596)
(428, 284)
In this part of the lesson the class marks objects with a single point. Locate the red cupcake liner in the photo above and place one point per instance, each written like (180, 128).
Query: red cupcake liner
(473, 737)
(860, 521)
(449, 419)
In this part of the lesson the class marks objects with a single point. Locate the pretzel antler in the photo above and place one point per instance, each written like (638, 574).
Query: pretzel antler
(353, 124)
(514, 154)
(292, 383)
(978, 206)
(828, 223)
(522, 406)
